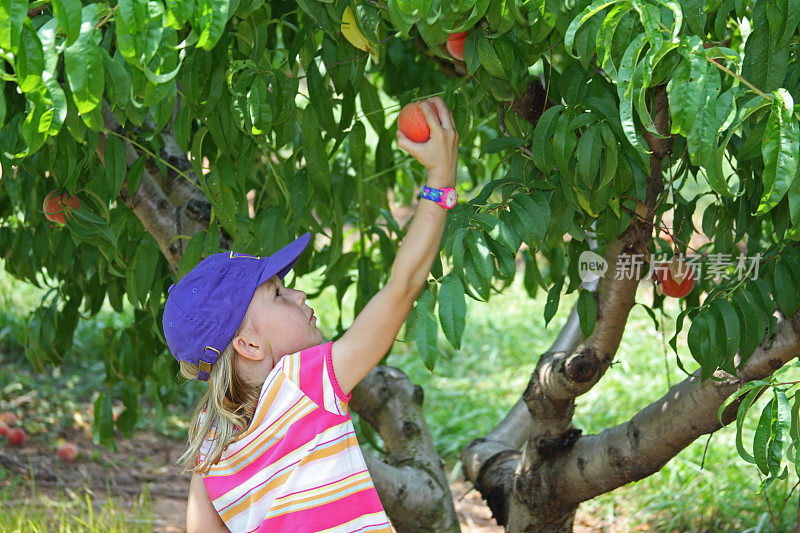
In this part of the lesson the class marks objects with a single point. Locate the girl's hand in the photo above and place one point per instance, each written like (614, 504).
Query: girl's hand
(440, 153)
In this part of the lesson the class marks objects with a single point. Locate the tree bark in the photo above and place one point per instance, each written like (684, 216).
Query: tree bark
(489, 462)
(410, 479)
(600, 463)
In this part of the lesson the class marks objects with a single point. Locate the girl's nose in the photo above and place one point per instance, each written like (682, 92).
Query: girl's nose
(301, 296)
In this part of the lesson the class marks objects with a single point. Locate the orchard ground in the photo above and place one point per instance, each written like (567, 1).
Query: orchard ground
(139, 480)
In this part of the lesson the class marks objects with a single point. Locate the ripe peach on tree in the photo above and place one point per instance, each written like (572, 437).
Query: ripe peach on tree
(455, 44)
(55, 206)
(676, 278)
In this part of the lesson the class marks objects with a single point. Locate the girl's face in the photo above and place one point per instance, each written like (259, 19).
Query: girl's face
(280, 317)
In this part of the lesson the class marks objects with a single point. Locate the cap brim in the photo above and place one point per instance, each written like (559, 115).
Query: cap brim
(282, 261)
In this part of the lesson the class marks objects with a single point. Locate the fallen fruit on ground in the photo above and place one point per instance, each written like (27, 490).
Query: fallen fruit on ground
(16, 437)
(677, 279)
(455, 44)
(4, 429)
(411, 121)
(68, 452)
(53, 206)
(8, 418)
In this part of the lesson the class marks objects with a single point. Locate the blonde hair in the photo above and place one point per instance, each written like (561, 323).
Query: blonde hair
(229, 405)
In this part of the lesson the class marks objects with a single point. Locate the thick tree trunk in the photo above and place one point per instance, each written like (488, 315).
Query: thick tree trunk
(410, 479)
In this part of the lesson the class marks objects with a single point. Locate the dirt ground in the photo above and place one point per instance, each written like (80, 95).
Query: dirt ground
(149, 459)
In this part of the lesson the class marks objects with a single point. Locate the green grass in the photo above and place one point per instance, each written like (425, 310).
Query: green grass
(471, 390)
(32, 511)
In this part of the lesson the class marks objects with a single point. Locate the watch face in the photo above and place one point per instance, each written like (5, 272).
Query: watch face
(450, 199)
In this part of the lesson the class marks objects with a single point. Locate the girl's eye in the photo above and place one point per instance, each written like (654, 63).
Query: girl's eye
(276, 292)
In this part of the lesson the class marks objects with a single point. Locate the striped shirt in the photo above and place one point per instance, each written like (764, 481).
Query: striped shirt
(298, 466)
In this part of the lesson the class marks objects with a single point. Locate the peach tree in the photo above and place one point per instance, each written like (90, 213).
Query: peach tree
(605, 146)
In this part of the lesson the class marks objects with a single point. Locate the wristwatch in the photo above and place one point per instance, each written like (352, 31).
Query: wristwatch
(444, 197)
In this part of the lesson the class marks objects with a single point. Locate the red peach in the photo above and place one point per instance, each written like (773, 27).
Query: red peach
(16, 437)
(455, 44)
(9, 418)
(411, 121)
(68, 452)
(672, 287)
(53, 206)
(4, 429)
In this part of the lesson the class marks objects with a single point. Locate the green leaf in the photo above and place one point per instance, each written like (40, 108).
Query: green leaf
(650, 18)
(751, 324)
(500, 144)
(764, 63)
(553, 298)
(699, 339)
(116, 164)
(471, 57)
(118, 81)
(134, 176)
(786, 287)
(589, 152)
(587, 312)
(83, 63)
(762, 437)
(605, 37)
(677, 15)
(126, 422)
(68, 13)
(140, 29)
(30, 60)
(103, 425)
(747, 387)
(780, 152)
(533, 212)
(208, 21)
(489, 59)
(563, 142)
(481, 255)
(313, 146)
(751, 397)
(371, 105)
(686, 90)
(542, 147)
(625, 90)
(13, 14)
(590, 11)
(143, 268)
(729, 335)
(425, 330)
(694, 10)
(452, 309)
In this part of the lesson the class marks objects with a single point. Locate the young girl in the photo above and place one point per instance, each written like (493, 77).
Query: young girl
(271, 444)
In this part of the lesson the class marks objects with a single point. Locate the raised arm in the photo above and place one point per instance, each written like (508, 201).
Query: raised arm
(373, 331)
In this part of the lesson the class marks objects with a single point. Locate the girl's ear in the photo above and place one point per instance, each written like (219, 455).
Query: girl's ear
(244, 348)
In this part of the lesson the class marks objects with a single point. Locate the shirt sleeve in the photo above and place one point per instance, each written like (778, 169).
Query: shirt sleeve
(312, 371)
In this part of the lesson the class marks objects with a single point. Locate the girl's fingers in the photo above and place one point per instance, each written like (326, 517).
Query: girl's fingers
(430, 115)
(445, 116)
(406, 144)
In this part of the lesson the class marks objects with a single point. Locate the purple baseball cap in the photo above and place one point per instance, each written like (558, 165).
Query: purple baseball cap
(205, 308)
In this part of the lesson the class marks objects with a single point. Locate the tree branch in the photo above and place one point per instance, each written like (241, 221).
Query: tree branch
(410, 479)
(560, 377)
(490, 462)
(150, 203)
(598, 464)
